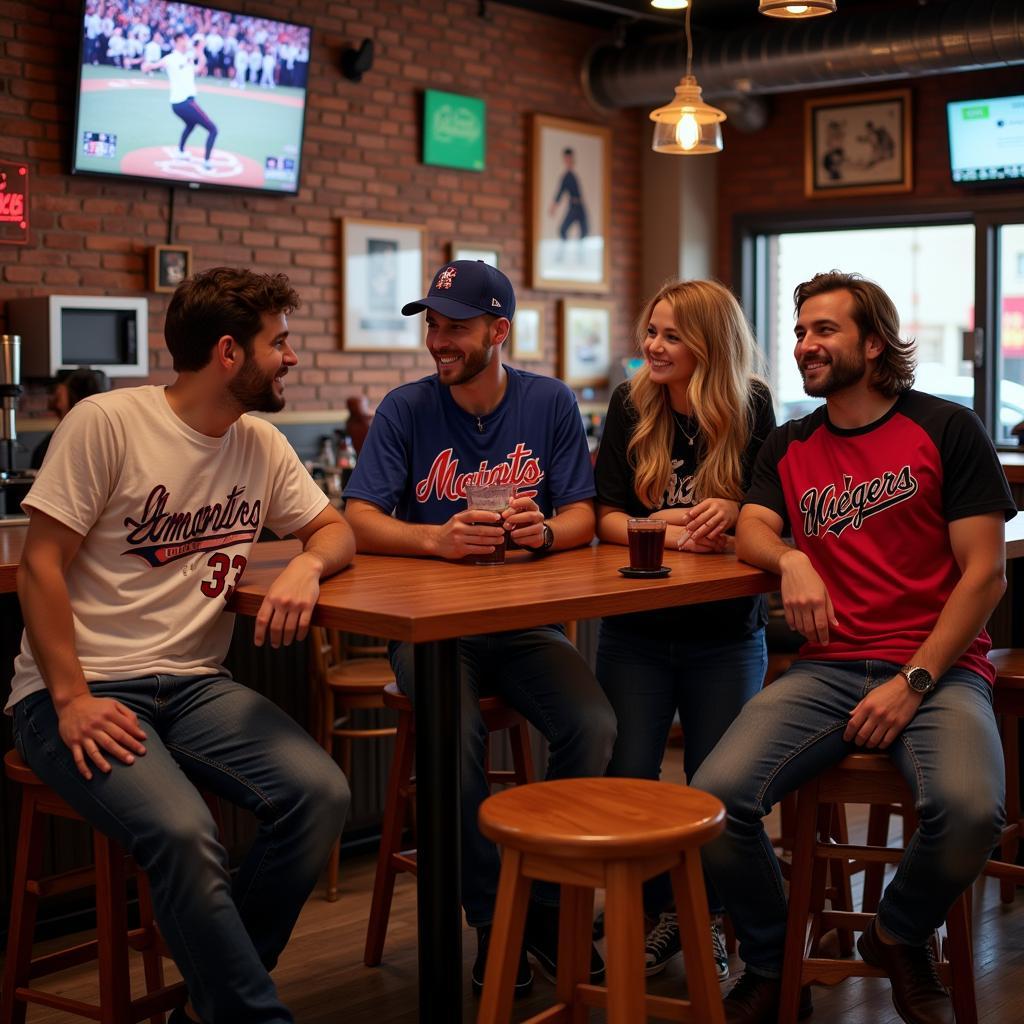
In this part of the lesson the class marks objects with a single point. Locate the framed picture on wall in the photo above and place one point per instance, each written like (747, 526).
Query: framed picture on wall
(858, 145)
(570, 190)
(585, 342)
(169, 265)
(381, 270)
(528, 332)
(474, 251)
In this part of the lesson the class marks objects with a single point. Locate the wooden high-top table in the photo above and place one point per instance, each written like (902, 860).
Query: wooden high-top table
(431, 603)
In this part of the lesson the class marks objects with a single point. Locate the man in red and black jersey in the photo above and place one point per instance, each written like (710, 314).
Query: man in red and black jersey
(896, 504)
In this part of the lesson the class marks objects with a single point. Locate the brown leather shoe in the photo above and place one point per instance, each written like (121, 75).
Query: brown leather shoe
(754, 999)
(917, 993)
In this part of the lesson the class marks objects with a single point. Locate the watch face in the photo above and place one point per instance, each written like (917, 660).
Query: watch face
(920, 679)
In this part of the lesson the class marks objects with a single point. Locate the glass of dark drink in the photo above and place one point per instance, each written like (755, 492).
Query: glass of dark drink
(490, 498)
(646, 543)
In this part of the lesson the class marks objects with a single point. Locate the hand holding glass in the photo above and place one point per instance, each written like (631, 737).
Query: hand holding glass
(490, 498)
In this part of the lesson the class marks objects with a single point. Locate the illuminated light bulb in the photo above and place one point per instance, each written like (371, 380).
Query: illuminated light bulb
(670, 5)
(797, 8)
(687, 131)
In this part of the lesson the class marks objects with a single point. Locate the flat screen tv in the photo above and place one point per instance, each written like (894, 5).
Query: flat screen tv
(986, 140)
(190, 95)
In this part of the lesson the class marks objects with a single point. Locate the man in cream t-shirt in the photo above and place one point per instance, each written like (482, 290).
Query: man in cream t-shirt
(141, 523)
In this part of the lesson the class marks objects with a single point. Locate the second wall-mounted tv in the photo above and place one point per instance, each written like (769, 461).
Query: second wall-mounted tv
(986, 140)
(190, 95)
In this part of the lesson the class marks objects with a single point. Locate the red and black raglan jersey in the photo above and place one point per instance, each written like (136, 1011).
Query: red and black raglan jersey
(871, 508)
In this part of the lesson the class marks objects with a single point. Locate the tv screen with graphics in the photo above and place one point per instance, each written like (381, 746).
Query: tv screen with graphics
(190, 95)
(986, 140)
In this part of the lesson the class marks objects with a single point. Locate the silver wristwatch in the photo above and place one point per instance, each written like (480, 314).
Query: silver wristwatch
(918, 679)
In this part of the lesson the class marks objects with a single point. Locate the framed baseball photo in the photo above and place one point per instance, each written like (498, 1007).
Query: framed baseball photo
(570, 188)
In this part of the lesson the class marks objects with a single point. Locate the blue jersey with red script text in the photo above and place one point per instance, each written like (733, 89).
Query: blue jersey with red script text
(871, 509)
(422, 449)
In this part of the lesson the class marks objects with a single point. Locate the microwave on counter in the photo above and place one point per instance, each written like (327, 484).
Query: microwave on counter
(65, 331)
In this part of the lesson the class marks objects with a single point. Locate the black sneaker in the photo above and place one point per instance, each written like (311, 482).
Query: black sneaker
(542, 943)
(718, 951)
(524, 976)
(662, 945)
(754, 999)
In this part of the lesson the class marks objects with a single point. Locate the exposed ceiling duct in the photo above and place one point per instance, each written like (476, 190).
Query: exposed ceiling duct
(962, 35)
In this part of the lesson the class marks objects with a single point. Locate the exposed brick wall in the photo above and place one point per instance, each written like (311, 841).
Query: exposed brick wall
(764, 171)
(361, 158)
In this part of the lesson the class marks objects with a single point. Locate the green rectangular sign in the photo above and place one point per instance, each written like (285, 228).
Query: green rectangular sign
(454, 130)
(979, 113)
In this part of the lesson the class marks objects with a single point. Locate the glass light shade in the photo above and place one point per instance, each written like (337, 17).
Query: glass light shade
(797, 8)
(687, 126)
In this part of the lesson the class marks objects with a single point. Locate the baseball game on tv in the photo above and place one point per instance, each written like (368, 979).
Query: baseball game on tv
(190, 95)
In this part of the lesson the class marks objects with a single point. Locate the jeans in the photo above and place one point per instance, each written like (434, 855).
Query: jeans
(949, 754)
(543, 677)
(224, 935)
(648, 680)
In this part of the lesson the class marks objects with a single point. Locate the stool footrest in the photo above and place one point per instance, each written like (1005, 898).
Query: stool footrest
(869, 854)
(32, 995)
(1000, 869)
(660, 1007)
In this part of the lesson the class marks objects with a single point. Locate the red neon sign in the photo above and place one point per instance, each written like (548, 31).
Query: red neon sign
(13, 204)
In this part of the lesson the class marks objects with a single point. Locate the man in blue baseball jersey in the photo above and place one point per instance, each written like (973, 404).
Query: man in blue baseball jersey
(478, 421)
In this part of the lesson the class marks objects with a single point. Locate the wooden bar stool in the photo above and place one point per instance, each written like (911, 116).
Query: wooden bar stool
(1009, 706)
(113, 937)
(392, 859)
(865, 779)
(611, 834)
(346, 676)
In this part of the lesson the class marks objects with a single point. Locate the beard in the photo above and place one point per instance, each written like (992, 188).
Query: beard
(475, 363)
(254, 391)
(844, 371)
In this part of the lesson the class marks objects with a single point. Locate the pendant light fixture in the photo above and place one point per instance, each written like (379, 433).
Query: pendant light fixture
(670, 5)
(801, 9)
(687, 126)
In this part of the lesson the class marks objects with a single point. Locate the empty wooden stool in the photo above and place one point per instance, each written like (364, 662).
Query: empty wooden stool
(864, 779)
(392, 859)
(113, 938)
(611, 834)
(1008, 698)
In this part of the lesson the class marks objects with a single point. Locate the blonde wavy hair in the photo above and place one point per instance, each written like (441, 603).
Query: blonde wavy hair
(712, 326)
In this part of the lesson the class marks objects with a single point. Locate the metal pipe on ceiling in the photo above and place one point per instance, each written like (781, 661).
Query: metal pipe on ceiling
(852, 49)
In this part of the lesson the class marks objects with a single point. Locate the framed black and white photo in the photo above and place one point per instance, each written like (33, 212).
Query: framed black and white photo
(169, 265)
(858, 145)
(381, 270)
(570, 187)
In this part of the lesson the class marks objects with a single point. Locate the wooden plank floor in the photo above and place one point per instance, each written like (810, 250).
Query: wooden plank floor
(322, 978)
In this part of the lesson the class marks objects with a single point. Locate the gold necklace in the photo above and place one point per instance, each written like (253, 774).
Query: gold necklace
(678, 423)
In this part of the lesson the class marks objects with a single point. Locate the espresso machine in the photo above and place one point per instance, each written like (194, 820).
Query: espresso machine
(14, 483)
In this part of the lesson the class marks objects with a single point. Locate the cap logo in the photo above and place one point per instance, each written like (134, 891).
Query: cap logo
(495, 302)
(445, 278)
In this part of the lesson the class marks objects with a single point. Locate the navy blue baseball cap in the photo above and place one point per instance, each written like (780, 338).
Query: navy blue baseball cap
(467, 288)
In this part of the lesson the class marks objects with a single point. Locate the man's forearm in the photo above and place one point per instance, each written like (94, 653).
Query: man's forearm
(381, 534)
(332, 546)
(758, 544)
(962, 618)
(572, 528)
(46, 609)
